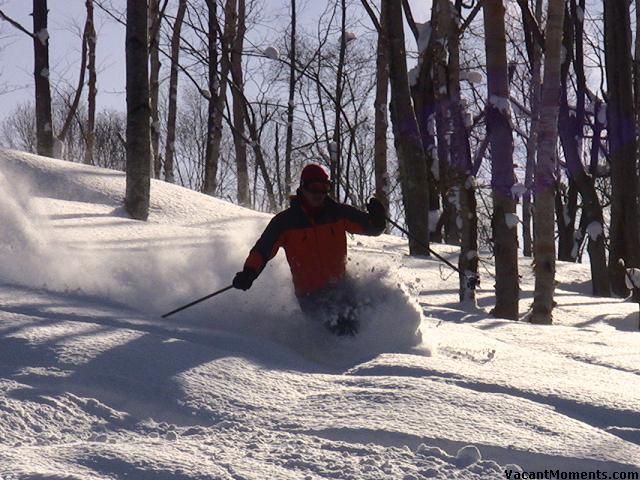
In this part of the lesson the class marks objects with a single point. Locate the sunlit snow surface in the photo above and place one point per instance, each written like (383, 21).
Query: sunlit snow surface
(95, 385)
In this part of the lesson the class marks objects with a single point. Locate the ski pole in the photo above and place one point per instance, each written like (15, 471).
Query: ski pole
(197, 301)
(472, 280)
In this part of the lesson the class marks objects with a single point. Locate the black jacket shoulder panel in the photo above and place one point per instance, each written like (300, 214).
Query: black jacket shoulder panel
(292, 217)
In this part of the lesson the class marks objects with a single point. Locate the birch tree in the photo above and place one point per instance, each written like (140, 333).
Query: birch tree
(544, 228)
(212, 154)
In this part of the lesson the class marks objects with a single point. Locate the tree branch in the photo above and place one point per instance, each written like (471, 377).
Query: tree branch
(529, 17)
(409, 16)
(372, 15)
(470, 18)
(15, 24)
(108, 12)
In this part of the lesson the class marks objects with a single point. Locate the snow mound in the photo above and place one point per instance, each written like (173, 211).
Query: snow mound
(64, 230)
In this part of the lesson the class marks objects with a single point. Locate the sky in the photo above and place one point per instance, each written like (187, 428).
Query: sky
(66, 20)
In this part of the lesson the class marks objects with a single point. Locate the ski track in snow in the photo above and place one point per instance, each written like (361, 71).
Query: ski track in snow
(94, 384)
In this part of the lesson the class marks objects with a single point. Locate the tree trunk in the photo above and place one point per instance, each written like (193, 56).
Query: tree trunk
(212, 154)
(336, 145)
(154, 83)
(381, 111)
(291, 105)
(623, 231)
(566, 209)
(92, 40)
(138, 128)
(544, 226)
(218, 88)
(242, 172)
(532, 141)
(570, 130)
(44, 122)
(441, 24)
(592, 220)
(596, 245)
(423, 95)
(173, 93)
(462, 178)
(73, 108)
(636, 67)
(411, 157)
(502, 176)
(567, 198)
(261, 164)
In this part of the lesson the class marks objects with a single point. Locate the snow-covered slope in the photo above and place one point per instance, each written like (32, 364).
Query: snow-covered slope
(94, 384)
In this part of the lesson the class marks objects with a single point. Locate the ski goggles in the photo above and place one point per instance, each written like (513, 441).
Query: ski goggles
(318, 187)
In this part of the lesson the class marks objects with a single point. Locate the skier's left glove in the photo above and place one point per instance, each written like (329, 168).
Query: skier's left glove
(244, 279)
(377, 213)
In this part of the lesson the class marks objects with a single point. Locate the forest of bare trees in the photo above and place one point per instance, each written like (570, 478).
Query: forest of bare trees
(500, 127)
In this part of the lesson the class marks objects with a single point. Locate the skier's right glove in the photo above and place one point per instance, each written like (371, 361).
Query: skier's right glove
(377, 213)
(244, 279)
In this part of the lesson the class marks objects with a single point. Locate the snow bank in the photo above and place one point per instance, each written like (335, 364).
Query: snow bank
(77, 238)
(243, 386)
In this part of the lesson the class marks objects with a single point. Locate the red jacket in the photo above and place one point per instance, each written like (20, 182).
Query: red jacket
(315, 245)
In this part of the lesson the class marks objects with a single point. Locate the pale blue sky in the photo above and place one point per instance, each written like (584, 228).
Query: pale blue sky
(66, 19)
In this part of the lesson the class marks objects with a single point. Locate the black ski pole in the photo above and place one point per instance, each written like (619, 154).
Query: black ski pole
(197, 301)
(472, 281)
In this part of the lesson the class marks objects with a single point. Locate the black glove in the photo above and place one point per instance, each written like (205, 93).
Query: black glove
(244, 279)
(377, 212)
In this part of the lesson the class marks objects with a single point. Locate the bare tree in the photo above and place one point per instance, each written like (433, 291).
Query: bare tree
(18, 129)
(544, 228)
(242, 172)
(442, 25)
(44, 122)
(92, 40)
(499, 130)
(173, 93)
(212, 153)
(138, 111)
(423, 95)
(381, 110)
(636, 66)
(571, 131)
(411, 157)
(73, 106)
(534, 49)
(624, 229)
(155, 21)
(463, 182)
(292, 99)
(335, 147)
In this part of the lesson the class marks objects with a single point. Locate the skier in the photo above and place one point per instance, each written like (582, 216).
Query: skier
(312, 232)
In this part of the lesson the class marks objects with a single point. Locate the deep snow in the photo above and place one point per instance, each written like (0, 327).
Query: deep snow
(96, 385)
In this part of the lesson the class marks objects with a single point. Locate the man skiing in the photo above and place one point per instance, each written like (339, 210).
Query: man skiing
(312, 232)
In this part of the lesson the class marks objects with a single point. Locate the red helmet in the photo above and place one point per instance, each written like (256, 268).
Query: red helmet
(314, 174)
